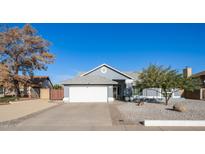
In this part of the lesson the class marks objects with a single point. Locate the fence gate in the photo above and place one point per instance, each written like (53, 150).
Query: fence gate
(56, 94)
(44, 93)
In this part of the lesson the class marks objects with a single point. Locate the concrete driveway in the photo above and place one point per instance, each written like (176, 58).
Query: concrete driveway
(84, 117)
(20, 109)
(69, 117)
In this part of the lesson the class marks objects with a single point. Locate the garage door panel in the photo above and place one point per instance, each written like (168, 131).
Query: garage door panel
(88, 94)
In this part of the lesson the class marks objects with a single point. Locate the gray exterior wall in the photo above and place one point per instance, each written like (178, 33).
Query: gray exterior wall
(66, 91)
(110, 91)
(110, 74)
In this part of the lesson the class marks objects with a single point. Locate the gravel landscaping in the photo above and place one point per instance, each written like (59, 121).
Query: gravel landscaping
(130, 112)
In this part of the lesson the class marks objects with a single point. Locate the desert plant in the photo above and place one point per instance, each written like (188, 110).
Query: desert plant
(57, 86)
(167, 80)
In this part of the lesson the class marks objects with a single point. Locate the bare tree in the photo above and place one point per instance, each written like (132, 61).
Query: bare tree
(22, 51)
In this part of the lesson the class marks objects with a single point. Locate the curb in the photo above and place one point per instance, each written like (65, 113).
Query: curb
(174, 123)
(16, 121)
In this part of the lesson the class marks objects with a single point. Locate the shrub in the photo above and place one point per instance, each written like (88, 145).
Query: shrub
(7, 99)
(57, 86)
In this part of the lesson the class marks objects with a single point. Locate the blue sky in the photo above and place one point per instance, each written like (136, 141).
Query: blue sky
(127, 47)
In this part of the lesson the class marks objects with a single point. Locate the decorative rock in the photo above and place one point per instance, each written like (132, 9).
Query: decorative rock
(127, 99)
(179, 108)
(140, 103)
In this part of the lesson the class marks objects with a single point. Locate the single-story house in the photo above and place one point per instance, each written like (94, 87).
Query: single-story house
(105, 84)
(37, 83)
(32, 89)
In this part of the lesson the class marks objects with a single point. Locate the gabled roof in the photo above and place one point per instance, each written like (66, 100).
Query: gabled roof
(89, 80)
(134, 75)
(38, 80)
(84, 74)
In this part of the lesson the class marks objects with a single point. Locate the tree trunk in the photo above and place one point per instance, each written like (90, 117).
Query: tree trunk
(24, 85)
(166, 96)
(166, 100)
(16, 84)
(17, 90)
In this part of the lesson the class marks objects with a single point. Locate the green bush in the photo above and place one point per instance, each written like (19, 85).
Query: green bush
(57, 86)
(7, 99)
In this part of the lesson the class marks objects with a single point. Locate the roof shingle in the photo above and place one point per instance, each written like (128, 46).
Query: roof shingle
(89, 80)
(199, 74)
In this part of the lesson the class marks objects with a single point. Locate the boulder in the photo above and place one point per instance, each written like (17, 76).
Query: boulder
(141, 103)
(179, 108)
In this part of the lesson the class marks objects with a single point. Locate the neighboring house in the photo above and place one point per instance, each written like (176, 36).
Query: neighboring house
(6, 92)
(31, 90)
(37, 83)
(104, 84)
(197, 94)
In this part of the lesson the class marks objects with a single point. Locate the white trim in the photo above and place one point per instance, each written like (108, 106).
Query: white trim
(110, 99)
(201, 94)
(66, 100)
(108, 67)
(176, 123)
(129, 81)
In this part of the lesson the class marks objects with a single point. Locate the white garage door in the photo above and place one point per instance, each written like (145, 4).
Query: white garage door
(88, 94)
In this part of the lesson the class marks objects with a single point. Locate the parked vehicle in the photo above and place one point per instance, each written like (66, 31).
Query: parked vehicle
(140, 98)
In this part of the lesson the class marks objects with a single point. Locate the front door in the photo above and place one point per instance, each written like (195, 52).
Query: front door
(117, 92)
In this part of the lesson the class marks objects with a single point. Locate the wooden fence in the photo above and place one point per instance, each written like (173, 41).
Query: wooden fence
(44, 93)
(56, 94)
(196, 94)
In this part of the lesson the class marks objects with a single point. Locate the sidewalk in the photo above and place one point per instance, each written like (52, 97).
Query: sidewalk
(23, 108)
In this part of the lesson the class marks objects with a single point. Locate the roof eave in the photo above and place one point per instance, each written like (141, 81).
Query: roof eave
(110, 68)
(88, 84)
